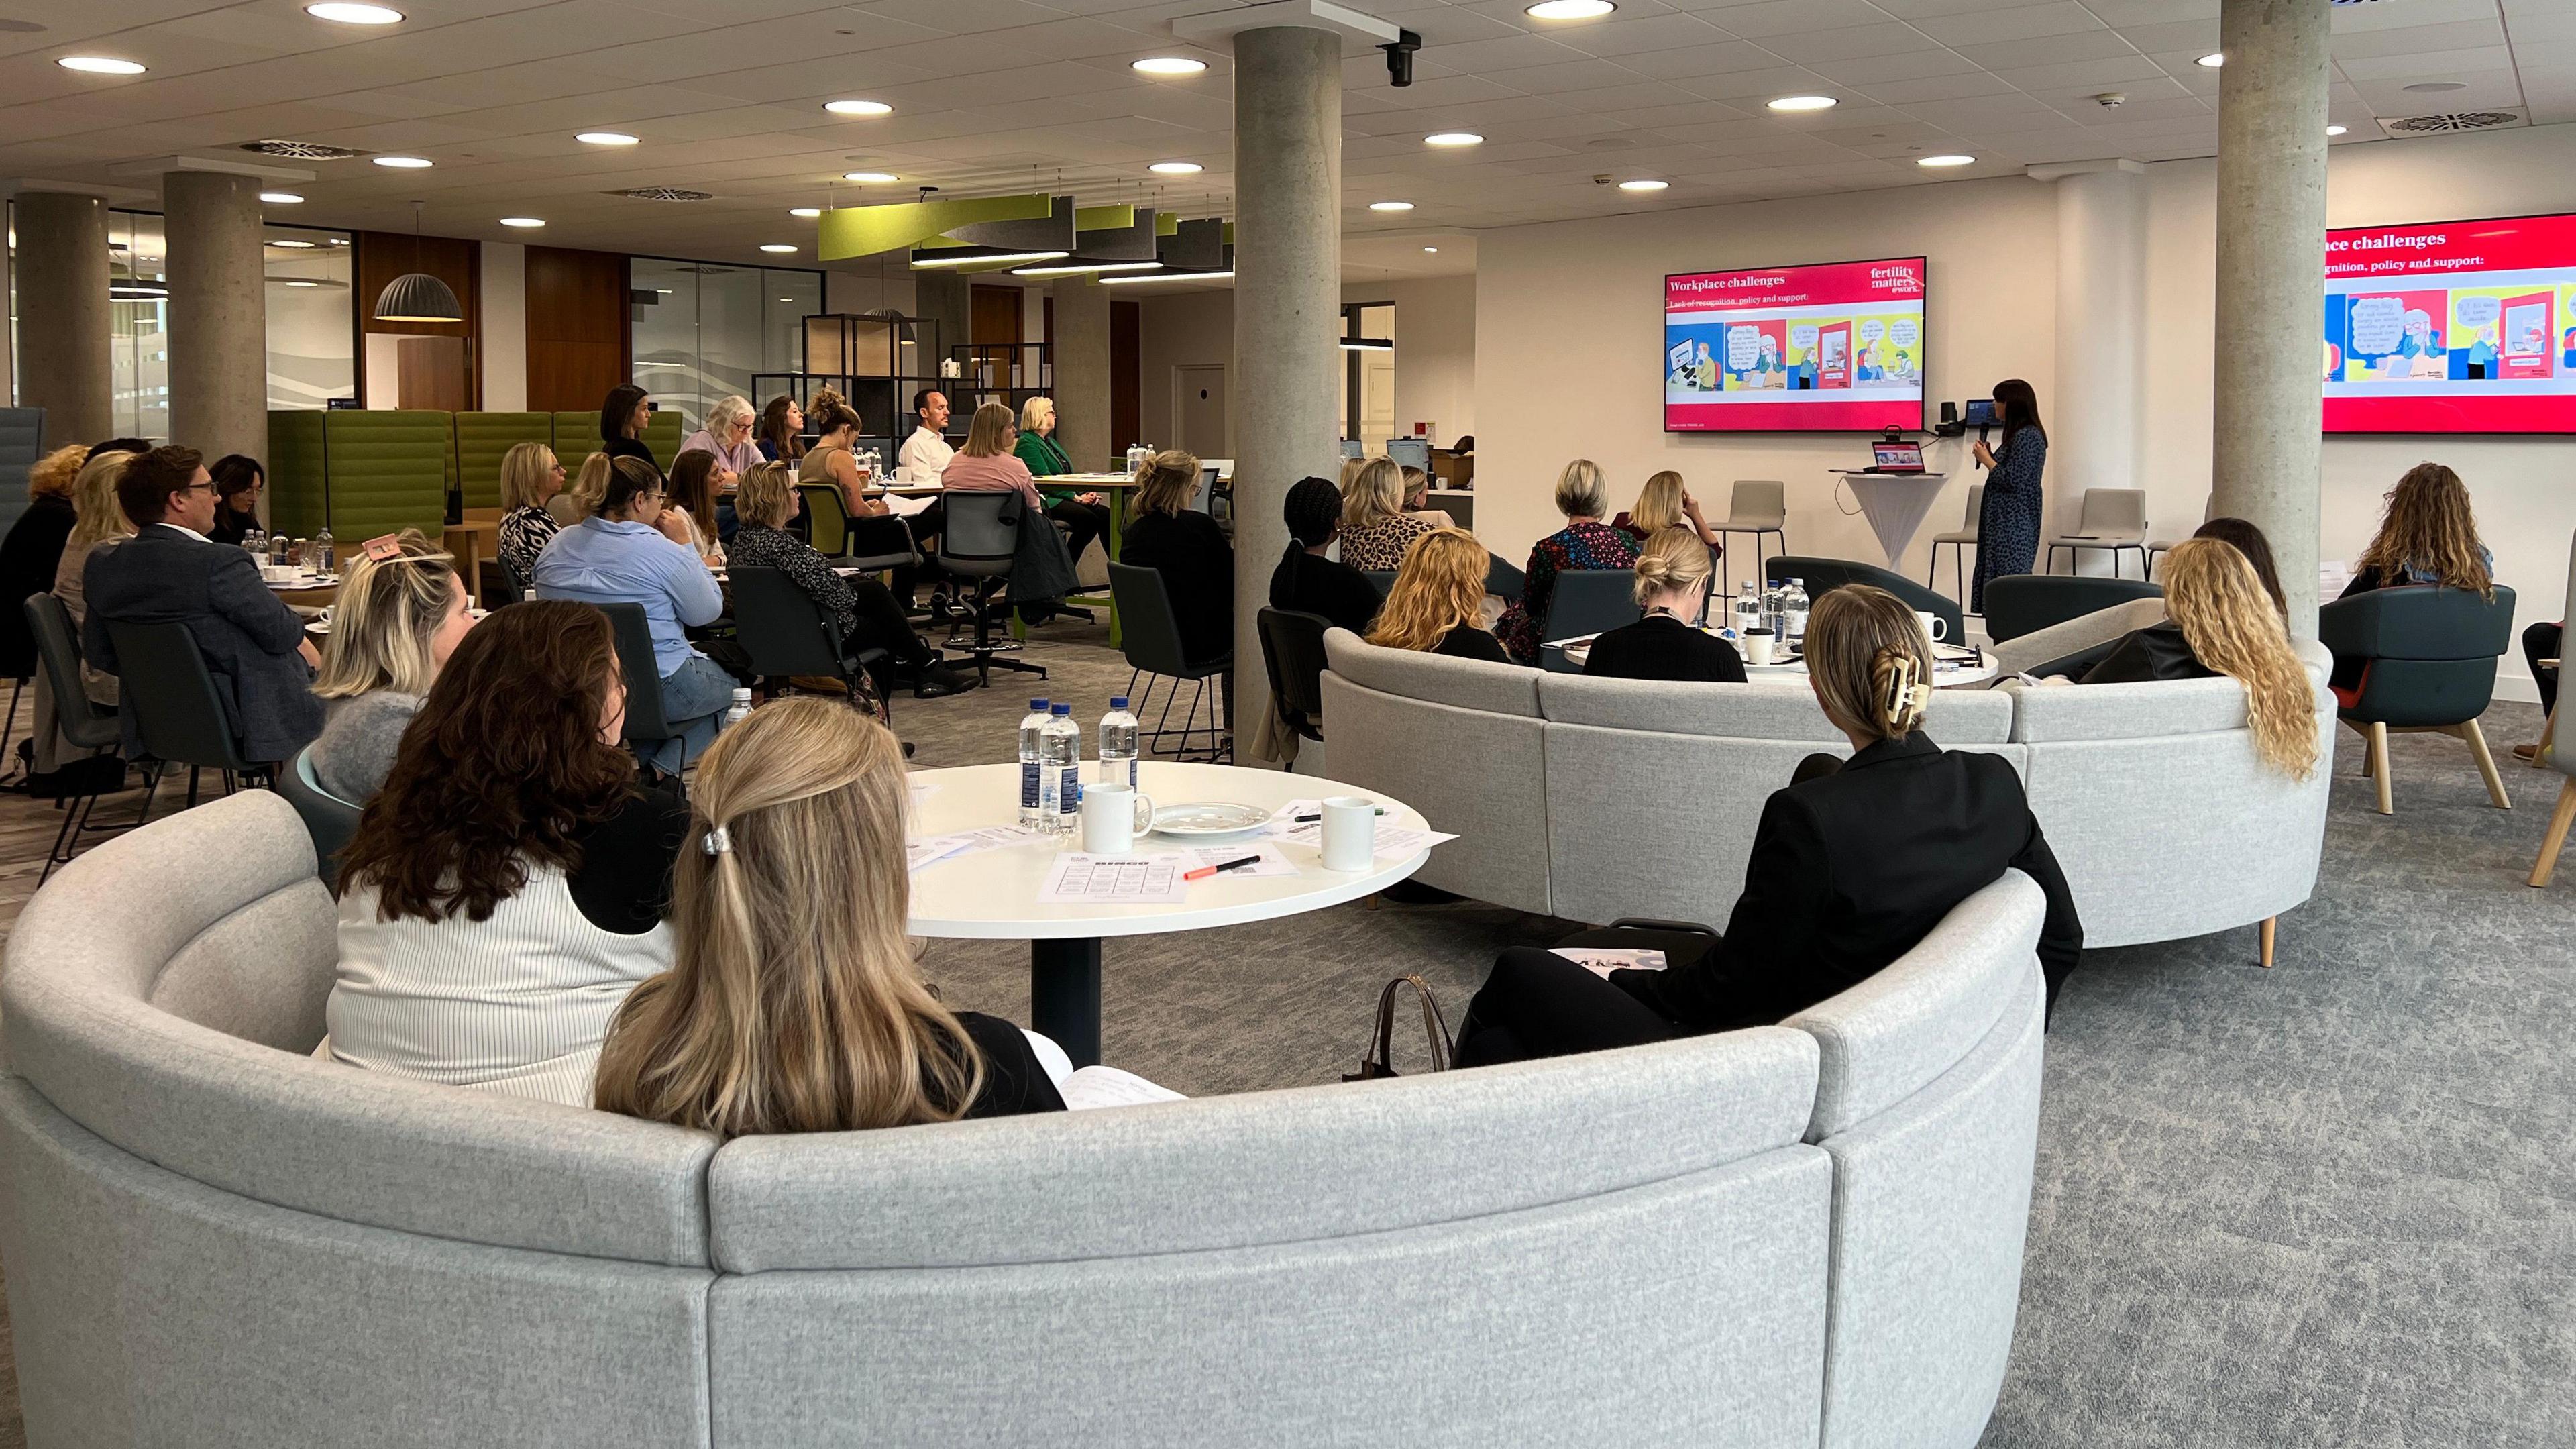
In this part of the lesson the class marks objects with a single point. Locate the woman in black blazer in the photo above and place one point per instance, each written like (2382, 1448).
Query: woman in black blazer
(1306, 582)
(1187, 548)
(1672, 584)
(1852, 865)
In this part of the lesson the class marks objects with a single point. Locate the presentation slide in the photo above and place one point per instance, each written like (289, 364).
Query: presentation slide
(1830, 348)
(2451, 327)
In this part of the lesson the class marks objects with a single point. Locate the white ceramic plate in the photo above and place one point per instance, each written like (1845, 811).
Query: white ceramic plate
(1209, 821)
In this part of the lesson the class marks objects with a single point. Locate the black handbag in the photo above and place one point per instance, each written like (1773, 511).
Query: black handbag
(1379, 1058)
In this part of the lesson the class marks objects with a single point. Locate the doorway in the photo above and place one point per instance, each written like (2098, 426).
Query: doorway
(1198, 409)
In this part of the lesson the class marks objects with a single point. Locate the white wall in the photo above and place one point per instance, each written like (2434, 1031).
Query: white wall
(504, 300)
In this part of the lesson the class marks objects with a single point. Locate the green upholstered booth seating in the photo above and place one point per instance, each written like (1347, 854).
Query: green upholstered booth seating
(297, 494)
(22, 442)
(577, 437)
(663, 435)
(484, 439)
(360, 472)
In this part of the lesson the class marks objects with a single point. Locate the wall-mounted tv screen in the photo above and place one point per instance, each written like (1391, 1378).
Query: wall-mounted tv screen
(1831, 348)
(2451, 327)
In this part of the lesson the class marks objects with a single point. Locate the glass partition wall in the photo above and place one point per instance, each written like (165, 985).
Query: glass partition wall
(703, 328)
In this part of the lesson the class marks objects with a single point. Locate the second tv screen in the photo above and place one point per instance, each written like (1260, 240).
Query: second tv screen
(1836, 347)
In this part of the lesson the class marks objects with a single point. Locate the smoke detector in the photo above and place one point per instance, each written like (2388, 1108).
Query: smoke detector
(663, 193)
(2436, 125)
(302, 150)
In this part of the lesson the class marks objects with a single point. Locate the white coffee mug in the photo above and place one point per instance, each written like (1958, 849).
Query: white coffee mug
(1758, 646)
(1350, 832)
(1111, 817)
(1934, 626)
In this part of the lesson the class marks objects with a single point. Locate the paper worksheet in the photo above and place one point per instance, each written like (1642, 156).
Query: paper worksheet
(1393, 842)
(903, 506)
(1079, 877)
(930, 849)
(1095, 1086)
(918, 853)
(1602, 960)
(1267, 859)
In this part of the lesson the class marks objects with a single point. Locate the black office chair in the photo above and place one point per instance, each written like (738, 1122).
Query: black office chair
(1384, 579)
(498, 584)
(979, 543)
(329, 819)
(1822, 576)
(646, 725)
(1152, 644)
(17, 665)
(86, 725)
(1292, 654)
(1504, 580)
(2428, 664)
(179, 717)
(1586, 601)
(2018, 604)
(786, 634)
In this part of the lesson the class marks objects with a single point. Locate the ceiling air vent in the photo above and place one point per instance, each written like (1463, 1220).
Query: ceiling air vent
(2451, 121)
(302, 150)
(664, 193)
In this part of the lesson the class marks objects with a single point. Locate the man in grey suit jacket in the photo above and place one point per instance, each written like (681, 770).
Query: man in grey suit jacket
(253, 644)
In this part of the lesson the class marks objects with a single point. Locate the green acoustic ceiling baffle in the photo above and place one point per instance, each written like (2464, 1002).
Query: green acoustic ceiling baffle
(864, 231)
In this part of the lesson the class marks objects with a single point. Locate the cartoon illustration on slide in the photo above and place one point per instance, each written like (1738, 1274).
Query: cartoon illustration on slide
(2384, 337)
(1705, 371)
(2567, 350)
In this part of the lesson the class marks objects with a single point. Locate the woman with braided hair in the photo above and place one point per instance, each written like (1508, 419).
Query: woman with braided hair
(1855, 862)
(1306, 582)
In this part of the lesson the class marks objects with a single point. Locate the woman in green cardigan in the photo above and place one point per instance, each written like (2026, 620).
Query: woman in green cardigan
(1084, 515)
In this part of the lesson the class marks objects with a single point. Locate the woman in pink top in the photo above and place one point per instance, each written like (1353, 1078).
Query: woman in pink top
(986, 464)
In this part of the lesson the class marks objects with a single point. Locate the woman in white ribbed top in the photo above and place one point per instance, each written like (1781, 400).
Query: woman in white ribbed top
(506, 889)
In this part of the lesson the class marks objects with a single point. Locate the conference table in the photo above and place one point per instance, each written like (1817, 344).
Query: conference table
(995, 894)
(1894, 504)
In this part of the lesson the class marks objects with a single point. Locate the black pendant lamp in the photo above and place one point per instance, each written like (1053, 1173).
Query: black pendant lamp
(417, 296)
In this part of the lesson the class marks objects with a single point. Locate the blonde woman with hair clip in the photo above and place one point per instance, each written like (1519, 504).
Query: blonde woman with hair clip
(580, 498)
(1376, 531)
(793, 1003)
(1583, 496)
(98, 522)
(1852, 864)
(1437, 599)
(398, 619)
(1668, 644)
(1665, 503)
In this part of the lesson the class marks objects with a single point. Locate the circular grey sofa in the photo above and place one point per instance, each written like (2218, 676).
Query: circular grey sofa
(1795, 1235)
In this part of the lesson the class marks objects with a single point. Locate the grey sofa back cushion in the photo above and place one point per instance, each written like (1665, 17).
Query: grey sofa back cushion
(1265, 1168)
(1478, 775)
(260, 1117)
(1770, 709)
(2050, 713)
(1435, 678)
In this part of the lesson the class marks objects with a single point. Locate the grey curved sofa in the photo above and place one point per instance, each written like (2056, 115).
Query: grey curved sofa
(1594, 799)
(1797, 1235)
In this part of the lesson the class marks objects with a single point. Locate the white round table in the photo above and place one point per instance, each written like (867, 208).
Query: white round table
(993, 894)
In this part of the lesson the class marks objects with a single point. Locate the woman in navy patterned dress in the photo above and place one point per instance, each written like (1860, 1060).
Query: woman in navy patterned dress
(2008, 528)
(1585, 542)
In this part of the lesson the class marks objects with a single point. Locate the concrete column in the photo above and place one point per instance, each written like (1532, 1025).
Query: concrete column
(2096, 417)
(218, 313)
(63, 320)
(1082, 371)
(1287, 309)
(2268, 410)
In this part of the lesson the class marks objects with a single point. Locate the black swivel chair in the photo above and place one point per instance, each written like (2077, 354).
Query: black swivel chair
(84, 724)
(1292, 654)
(1384, 579)
(2019, 604)
(646, 725)
(1503, 580)
(178, 715)
(979, 543)
(786, 634)
(329, 819)
(1152, 644)
(1586, 601)
(1821, 576)
(2428, 664)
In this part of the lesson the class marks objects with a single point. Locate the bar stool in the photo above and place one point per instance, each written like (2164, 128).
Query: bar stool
(1759, 506)
(1961, 540)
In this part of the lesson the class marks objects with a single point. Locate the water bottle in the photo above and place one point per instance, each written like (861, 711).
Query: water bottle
(739, 711)
(1793, 609)
(255, 543)
(1032, 731)
(1118, 744)
(322, 560)
(1748, 610)
(280, 549)
(1060, 768)
(1772, 610)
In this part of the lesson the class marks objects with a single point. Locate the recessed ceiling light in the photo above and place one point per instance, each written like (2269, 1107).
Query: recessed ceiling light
(1569, 9)
(805, 211)
(1643, 185)
(403, 163)
(1168, 65)
(605, 138)
(776, 247)
(1390, 206)
(2213, 60)
(340, 13)
(1176, 168)
(523, 221)
(296, 244)
(858, 108)
(280, 198)
(1953, 160)
(870, 178)
(1431, 249)
(1453, 138)
(100, 65)
(2334, 130)
(1805, 103)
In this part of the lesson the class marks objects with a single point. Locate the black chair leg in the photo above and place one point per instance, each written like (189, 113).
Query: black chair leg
(192, 786)
(151, 784)
(9, 725)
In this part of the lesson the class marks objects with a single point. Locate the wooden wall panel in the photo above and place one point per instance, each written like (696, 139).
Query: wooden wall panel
(383, 256)
(580, 326)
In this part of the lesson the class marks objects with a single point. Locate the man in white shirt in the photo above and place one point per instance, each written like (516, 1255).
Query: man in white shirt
(925, 454)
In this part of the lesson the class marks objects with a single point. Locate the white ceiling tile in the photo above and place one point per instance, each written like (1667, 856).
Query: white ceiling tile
(2410, 13)
(1765, 18)
(2426, 65)
(2020, 22)
(2039, 50)
(1491, 57)
(1732, 57)
(1646, 33)
(1914, 65)
(1935, 88)
(1851, 42)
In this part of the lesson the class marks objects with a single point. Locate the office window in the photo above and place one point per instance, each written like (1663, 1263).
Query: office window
(704, 329)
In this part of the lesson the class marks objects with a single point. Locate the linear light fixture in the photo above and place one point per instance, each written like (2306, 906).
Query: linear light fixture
(100, 65)
(858, 108)
(1569, 9)
(1644, 185)
(280, 198)
(1069, 269)
(339, 12)
(776, 247)
(1453, 138)
(403, 163)
(2213, 60)
(1224, 276)
(970, 258)
(871, 178)
(1176, 168)
(1804, 103)
(606, 138)
(808, 212)
(523, 222)
(1952, 160)
(1390, 206)
(1368, 344)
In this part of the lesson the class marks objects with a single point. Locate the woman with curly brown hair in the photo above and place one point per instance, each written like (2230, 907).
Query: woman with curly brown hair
(505, 889)
(2429, 535)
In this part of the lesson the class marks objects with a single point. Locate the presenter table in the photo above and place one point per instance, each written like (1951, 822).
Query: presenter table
(1115, 487)
(1895, 504)
(993, 894)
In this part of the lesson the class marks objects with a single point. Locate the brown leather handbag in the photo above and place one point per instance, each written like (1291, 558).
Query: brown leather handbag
(1379, 1059)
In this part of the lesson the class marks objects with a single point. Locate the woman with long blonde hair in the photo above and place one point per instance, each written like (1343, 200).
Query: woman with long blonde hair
(1854, 862)
(98, 521)
(1188, 548)
(792, 1003)
(1437, 602)
(397, 621)
(2219, 620)
(580, 498)
(2429, 535)
(1665, 502)
(1376, 531)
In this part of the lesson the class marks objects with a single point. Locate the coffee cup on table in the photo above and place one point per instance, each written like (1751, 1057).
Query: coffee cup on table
(1935, 627)
(1350, 832)
(1758, 646)
(1111, 817)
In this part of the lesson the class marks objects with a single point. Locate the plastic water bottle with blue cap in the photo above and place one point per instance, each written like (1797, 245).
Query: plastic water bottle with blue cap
(1118, 744)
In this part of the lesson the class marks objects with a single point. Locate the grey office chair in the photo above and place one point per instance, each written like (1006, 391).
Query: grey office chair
(979, 543)
(1586, 601)
(1151, 640)
(179, 717)
(646, 725)
(330, 820)
(785, 634)
(85, 725)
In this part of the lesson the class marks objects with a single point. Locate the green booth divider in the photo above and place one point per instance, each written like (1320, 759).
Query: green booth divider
(577, 437)
(484, 439)
(296, 482)
(361, 473)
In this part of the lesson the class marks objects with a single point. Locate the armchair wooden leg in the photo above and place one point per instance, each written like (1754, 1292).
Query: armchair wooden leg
(2369, 761)
(2379, 767)
(2548, 733)
(2557, 836)
(2486, 764)
(2270, 929)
